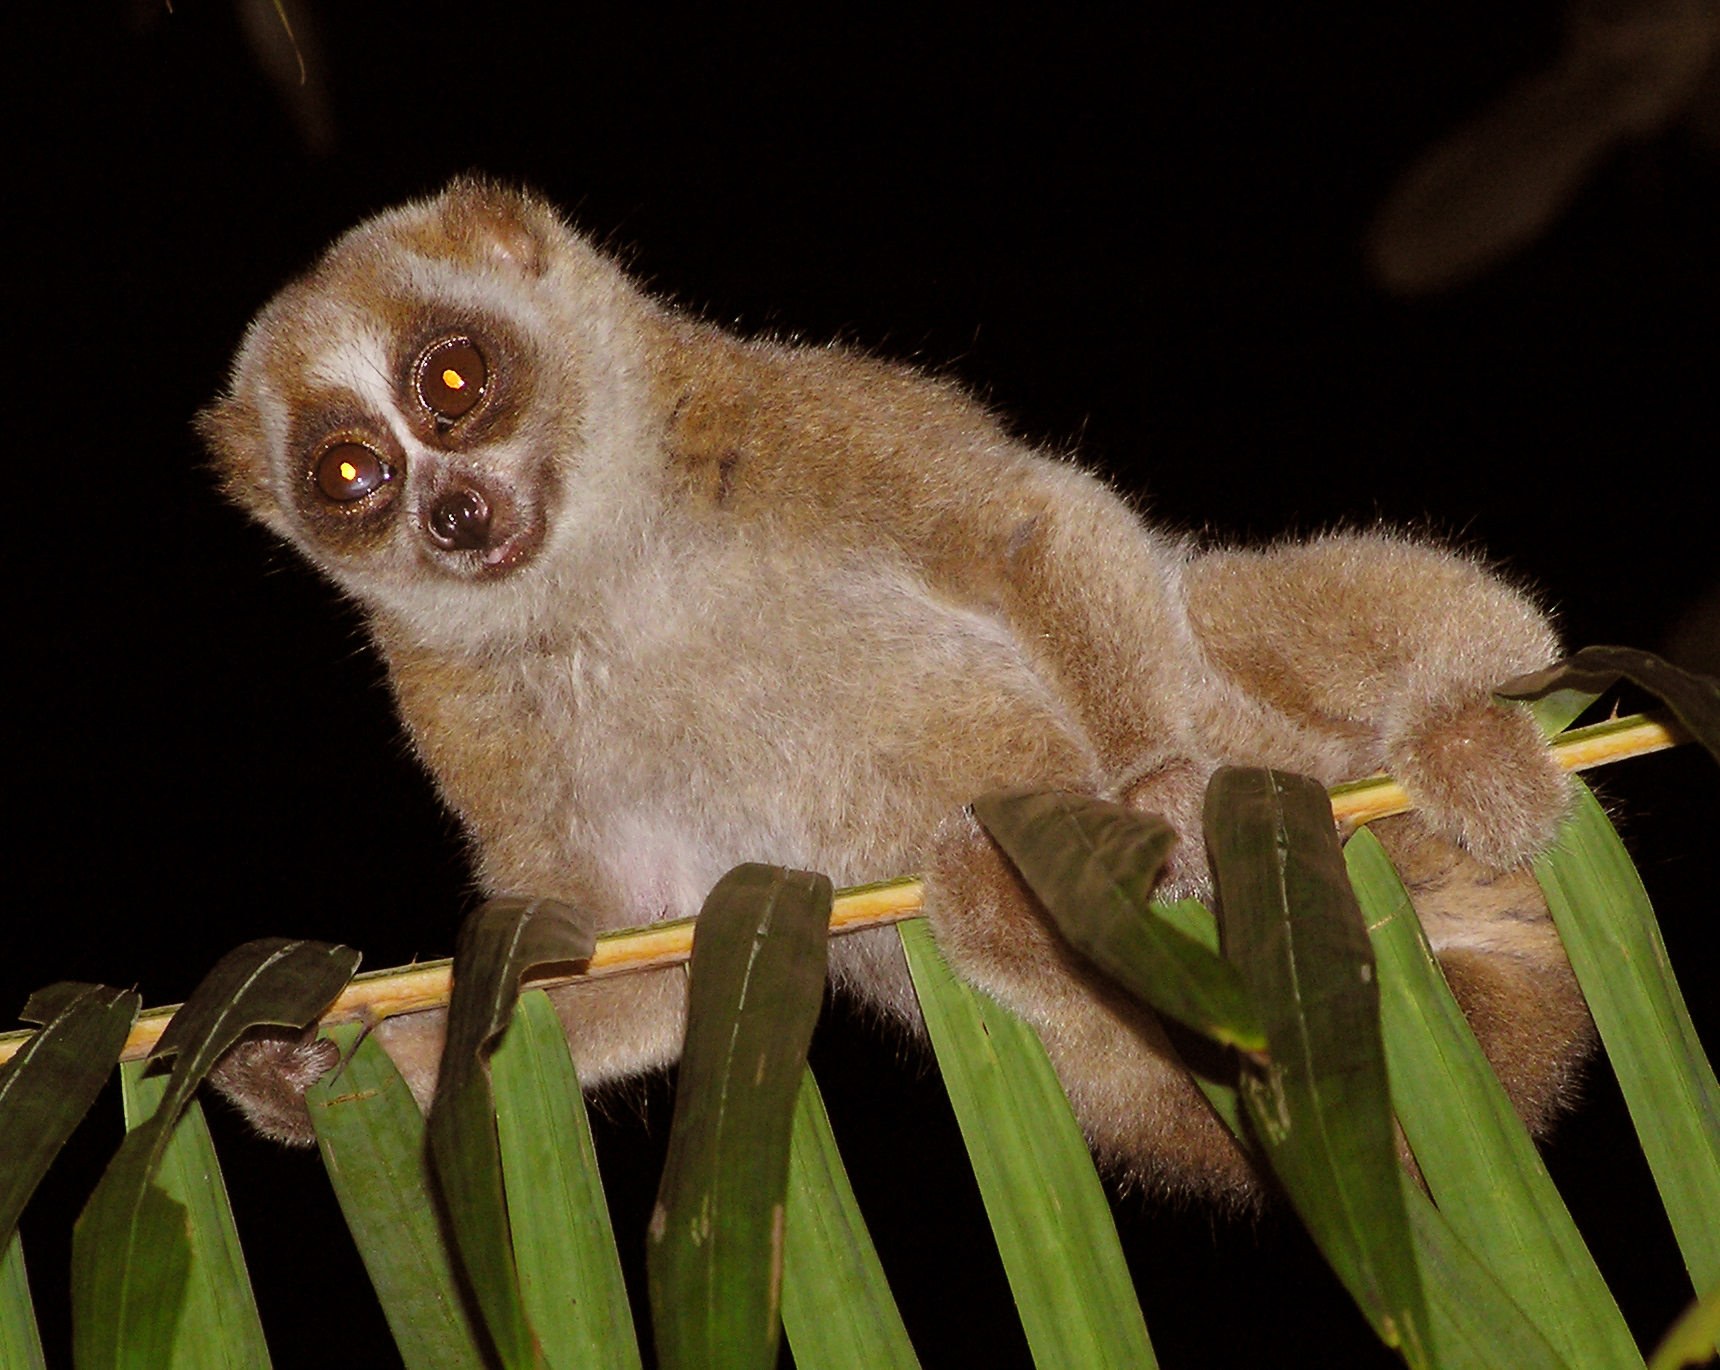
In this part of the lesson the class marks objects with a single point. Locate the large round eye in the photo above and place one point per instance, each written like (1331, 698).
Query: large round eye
(451, 377)
(349, 471)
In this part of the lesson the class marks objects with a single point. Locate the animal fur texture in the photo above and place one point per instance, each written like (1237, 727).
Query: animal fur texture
(656, 600)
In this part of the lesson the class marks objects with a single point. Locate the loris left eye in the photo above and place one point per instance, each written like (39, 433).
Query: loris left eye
(349, 471)
(450, 378)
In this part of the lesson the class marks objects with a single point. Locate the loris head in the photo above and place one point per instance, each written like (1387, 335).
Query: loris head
(440, 409)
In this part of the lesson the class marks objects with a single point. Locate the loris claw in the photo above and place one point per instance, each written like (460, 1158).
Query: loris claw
(656, 600)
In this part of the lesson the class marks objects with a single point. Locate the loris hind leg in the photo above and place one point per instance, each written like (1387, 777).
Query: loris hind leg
(1128, 1088)
(1483, 777)
(1502, 957)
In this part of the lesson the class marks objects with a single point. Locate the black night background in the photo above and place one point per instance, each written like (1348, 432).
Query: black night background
(1138, 235)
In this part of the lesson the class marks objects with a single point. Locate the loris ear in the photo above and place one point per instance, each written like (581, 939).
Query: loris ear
(485, 222)
(232, 431)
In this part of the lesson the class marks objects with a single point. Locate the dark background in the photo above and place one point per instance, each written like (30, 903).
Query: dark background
(1137, 236)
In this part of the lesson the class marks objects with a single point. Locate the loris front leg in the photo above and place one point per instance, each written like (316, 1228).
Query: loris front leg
(1093, 595)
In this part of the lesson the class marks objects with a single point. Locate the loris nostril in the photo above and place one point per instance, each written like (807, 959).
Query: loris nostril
(461, 520)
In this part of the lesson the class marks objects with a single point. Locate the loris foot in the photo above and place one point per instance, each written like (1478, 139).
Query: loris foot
(1482, 776)
(265, 1078)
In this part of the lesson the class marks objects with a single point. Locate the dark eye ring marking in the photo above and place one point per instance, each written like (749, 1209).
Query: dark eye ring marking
(450, 378)
(348, 471)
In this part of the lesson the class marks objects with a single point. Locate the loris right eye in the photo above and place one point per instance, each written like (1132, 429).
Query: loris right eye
(450, 378)
(349, 471)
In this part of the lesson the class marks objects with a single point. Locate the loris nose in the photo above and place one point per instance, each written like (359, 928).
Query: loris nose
(460, 520)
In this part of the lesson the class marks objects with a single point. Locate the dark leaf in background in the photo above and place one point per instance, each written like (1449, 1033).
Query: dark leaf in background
(46, 1089)
(1629, 68)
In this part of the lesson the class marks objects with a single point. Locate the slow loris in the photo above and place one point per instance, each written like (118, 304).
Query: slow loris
(656, 600)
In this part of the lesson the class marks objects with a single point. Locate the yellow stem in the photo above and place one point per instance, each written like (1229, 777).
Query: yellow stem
(386, 993)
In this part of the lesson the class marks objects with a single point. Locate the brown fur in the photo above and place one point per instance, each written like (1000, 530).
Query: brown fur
(745, 601)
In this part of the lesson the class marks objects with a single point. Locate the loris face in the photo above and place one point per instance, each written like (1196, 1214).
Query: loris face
(397, 416)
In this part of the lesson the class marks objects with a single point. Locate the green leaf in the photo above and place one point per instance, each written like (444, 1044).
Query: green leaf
(497, 944)
(371, 1136)
(1695, 699)
(132, 1257)
(219, 1325)
(1475, 1154)
(1609, 931)
(46, 1089)
(1048, 1212)
(127, 1297)
(1321, 1107)
(714, 1248)
(1093, 865)
(20, 1343)
(1192, 919)
(1476, 1325)
(570, 1273)
(1556, 710)
(1694, 1339)
(836, 1304)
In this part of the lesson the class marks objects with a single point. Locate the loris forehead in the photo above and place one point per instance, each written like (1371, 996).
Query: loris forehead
(369, 302)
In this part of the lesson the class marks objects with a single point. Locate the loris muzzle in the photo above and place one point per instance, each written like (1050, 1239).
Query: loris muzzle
(656, 600)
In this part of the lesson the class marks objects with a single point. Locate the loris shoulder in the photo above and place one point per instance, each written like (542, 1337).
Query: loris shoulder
(656, 600)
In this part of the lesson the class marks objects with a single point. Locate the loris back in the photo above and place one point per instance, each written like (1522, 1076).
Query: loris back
(656, 600)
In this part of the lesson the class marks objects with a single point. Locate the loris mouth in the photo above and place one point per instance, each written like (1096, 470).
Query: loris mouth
(513, 552)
